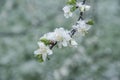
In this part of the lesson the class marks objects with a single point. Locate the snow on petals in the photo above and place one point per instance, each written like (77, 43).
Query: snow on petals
(62, 37)
(67, 11)
(43, 50)
(82, 7)
(81, 27)
(49, 36)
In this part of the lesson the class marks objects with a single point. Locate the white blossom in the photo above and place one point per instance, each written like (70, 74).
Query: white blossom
(62, 37)
(79, 4)
(81, 27)
(44, 50)
(87, 7)
(83, 7)
(49, 36)
(67, 11)
(74, 43)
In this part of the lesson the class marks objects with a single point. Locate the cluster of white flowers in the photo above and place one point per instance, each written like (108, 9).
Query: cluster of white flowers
(69, 9)
(81, 27)
(82, 7)
(62, 37)
(43, 51)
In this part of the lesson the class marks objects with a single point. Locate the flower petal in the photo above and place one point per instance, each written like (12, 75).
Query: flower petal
(37, 52)
(74, 43)
(44, 56)
(49, 52)
(64, 43)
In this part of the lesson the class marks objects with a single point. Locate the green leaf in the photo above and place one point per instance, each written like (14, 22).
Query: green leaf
(90, 22)
(73, 8)
(71, 2)
(39, 58)
(45, 41)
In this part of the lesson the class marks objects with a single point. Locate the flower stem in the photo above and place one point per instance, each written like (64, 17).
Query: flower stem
(73, 31)
(81, 13)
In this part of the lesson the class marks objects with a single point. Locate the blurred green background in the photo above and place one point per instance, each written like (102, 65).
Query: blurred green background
(22, 22)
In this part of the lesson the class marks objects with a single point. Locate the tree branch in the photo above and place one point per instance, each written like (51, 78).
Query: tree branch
(81, 13)
(73, 31)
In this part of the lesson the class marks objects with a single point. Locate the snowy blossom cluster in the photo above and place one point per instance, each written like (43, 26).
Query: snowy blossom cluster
(81, 27)
(43, 51)
(72, 5)
(61, 37)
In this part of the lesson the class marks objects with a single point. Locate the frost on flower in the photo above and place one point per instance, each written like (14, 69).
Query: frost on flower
(70, 8)
(43, 51)
(49, 36)
(83, 7)
(81, 27)
(62, 37)
(74, 43)
(67, 11)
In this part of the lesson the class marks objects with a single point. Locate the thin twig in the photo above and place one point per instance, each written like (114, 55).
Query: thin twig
(73, 31)
(81, 13)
